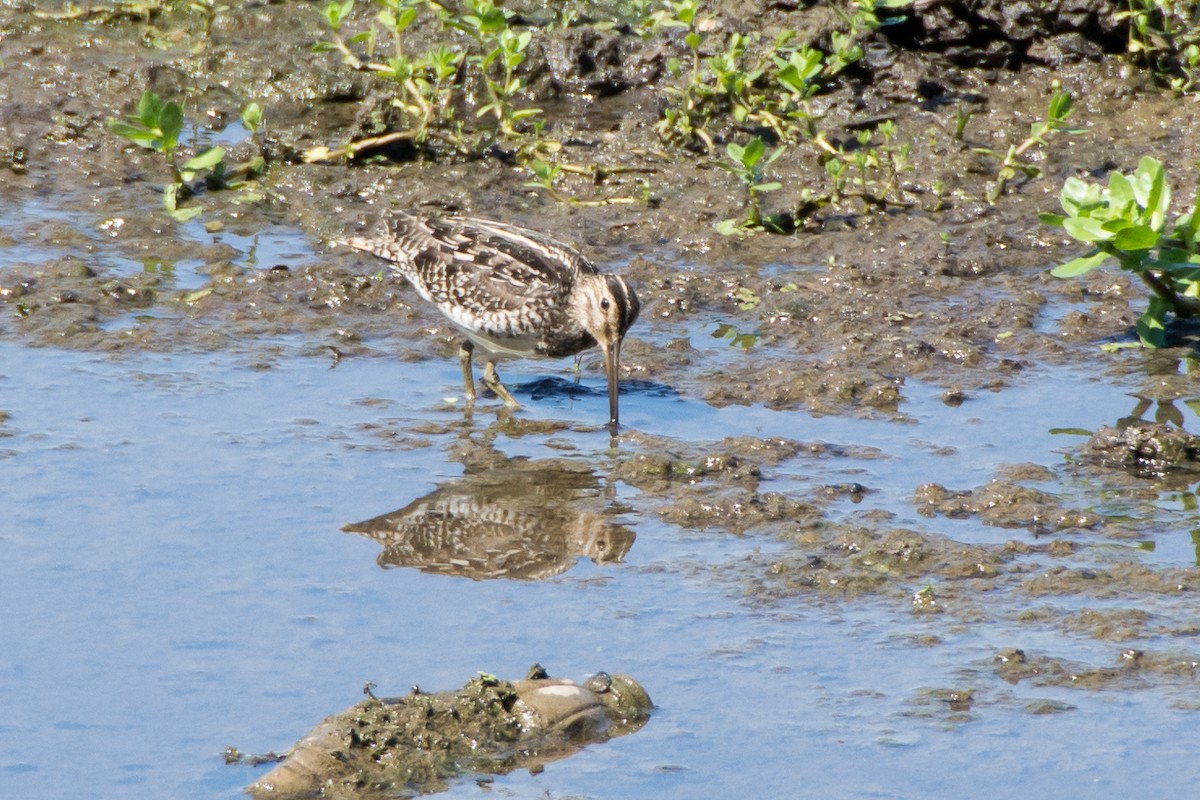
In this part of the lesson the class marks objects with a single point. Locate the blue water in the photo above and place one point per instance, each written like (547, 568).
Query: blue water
(174, 580)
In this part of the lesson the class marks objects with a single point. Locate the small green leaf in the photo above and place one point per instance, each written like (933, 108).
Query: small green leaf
(1151, 325)
(1060, 107)
(1120, 193)
(252, 117)
(1135, 237)
(1087, 229)
(1148, 182)
(753, 152)
(185, 214)
(206, 160)
(199, 294)
(729, 227)
(406, 18)
(149, 108)
(171, 123)
(1079, 266)
(1078, 195)
(1053, 220)
(142, 137)
(768, 187)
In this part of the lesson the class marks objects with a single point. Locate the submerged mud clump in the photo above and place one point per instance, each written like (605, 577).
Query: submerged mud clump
(416, 744)
(1147, 449)
(1005, 505)
(720, 486)
(67, 300)
(1127, 580)
(855, 560)
(1134, 668)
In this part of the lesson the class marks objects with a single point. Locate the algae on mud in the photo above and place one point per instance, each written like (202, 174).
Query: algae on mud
(418, 743)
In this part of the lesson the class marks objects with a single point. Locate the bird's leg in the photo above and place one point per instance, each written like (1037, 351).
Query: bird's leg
(464, 357)
(492, 381)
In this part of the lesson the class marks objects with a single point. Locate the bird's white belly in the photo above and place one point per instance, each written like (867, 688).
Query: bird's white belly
(518, 346)
(499, 334)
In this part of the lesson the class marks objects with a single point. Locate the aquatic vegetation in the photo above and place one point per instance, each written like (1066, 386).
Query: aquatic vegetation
(747, 163)
(1128, 221)
(1014, 161)
(765, 87)
(1164, 37)
(869, 172)
(748, 82)
(429, 87)
(157, 125)
(502, 51)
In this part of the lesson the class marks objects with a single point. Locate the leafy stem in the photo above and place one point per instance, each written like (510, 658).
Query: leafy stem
(1128, 221)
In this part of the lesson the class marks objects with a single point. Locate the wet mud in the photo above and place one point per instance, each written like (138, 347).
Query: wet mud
(841, 317)
(415, 745)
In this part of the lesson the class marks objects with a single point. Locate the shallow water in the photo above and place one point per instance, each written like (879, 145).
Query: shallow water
(173, 568)
(176, 581)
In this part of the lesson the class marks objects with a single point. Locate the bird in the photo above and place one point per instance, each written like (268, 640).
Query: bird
(510, 291)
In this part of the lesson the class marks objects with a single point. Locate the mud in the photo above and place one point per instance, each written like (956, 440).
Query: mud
(841, 317)
(414, 745)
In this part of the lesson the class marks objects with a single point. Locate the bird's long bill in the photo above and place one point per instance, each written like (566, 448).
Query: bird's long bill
(612, 364)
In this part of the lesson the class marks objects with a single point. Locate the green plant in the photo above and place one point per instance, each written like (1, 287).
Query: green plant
(423, 92)
(502, 51)
(747, 163)
(734, 336)
(545, 174)
(1164, 36)
(1189, 65)
(209, 10)
(1128, 221)
(156, 126)
(875, 169)
(428, 84)
(1061, 105)
(239, 176)
(961, 117)
(686, 115)
(866, 14)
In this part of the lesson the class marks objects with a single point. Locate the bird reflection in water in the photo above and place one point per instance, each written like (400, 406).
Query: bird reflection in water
(527, 520)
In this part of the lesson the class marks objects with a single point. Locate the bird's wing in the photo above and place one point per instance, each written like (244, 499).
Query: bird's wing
(499, 267)
(504, 267)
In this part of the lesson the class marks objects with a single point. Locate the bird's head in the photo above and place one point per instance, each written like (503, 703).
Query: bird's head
(610, 307)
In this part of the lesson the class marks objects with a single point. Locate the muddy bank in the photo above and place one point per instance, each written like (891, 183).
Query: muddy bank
(841, 316)
(936, 284)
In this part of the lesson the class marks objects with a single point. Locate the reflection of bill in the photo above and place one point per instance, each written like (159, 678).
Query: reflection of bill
(528, 523)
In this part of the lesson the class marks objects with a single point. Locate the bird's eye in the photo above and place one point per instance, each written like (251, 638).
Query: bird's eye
(604, 303)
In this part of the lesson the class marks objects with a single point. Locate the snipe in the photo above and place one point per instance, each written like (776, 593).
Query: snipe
(511, 291)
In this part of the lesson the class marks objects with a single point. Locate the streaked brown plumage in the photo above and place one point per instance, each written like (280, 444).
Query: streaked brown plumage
(510, 290)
